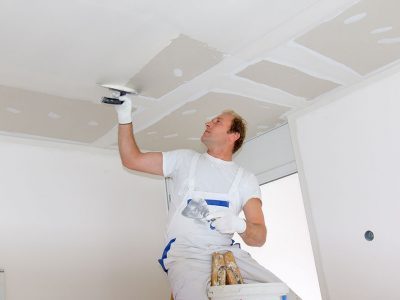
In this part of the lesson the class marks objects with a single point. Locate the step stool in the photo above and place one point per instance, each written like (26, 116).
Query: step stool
(249, 291)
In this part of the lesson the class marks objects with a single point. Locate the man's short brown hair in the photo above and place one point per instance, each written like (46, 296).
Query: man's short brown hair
(238, 125)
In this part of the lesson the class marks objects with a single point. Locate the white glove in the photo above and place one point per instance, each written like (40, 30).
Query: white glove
(124, 110)
(227, 222)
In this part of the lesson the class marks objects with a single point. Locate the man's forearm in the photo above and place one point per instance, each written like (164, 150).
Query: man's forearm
(128, 149)
(131, 156)
(254, 235)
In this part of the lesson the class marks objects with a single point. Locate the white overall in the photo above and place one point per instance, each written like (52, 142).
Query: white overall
(187, 257)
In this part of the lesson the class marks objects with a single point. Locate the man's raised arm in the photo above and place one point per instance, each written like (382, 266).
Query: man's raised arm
(131, 156)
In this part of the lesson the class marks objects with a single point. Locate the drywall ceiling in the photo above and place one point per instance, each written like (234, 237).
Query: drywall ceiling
(183, 127)
(180, 61)
(364, 37)
(283, 54)
(178, 55)
(38, 114)
(288, 79)
(189, 61)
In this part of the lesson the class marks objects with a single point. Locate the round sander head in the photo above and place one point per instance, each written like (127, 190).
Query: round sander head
(119, 88)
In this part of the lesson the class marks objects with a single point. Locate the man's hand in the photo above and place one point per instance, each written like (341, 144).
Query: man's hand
(227, 222)
(124, 110)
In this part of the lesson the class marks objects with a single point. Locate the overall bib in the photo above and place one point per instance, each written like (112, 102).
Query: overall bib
(187, 256)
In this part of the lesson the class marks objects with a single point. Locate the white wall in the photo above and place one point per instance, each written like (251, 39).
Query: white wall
(347, 150)
(269, 156)
(2, 285)
(75, 225)
(287, 252)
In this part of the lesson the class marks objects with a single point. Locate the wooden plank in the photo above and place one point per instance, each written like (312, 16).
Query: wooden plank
(218, 269)
(233, 275)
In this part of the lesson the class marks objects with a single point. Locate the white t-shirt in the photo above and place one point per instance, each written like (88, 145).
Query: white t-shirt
(212, 175)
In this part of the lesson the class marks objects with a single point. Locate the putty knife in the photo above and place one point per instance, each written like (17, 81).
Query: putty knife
(197, 209)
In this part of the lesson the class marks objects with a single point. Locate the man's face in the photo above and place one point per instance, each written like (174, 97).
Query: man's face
(216, 131)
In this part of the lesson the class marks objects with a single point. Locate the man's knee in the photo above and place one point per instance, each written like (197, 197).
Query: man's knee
(191, 290)
(189, 282)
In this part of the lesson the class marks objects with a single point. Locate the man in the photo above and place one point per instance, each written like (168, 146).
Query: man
(227, 188)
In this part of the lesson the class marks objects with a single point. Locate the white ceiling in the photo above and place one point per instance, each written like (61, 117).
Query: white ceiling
(283, 54)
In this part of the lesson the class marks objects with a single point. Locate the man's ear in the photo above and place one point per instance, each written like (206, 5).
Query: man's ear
(235, 136)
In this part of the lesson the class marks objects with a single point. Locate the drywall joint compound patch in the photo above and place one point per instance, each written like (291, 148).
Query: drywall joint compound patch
(358, 29)
(181, 61)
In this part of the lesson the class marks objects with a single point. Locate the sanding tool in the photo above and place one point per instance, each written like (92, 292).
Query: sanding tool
(116, 91)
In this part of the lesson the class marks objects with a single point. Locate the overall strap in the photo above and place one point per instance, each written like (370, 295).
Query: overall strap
(192, 170)
(236, 181)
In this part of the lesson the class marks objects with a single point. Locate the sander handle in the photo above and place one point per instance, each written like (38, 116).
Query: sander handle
(109, 100)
